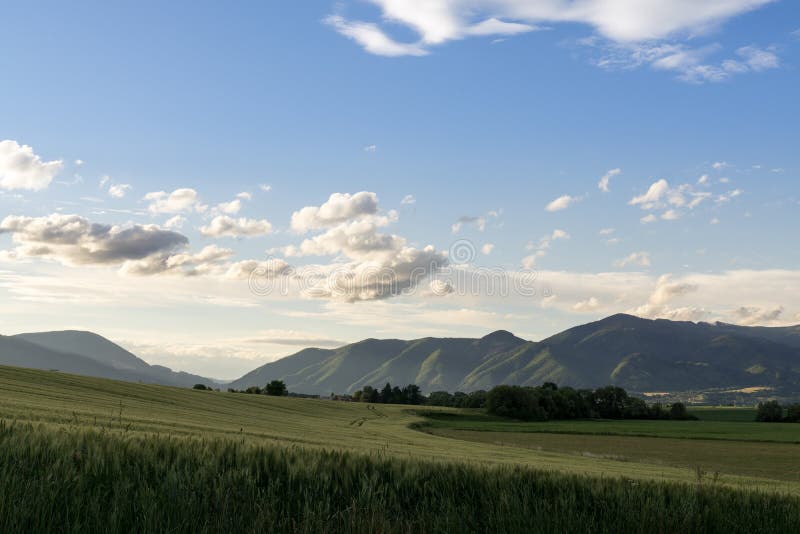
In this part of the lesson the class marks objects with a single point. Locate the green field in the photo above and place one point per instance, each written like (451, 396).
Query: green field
(57, 428)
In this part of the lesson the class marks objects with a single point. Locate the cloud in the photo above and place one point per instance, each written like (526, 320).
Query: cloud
(73, 240)
(178, 201)
(605, 181)
(369, 264)
(371, 148)
(649, 218)
(373, 39)
(606, 231)
(718, 165)
(436, 22)
(640, 259)
(210, 260)
(175, 222)
(478, 220)
(223, 225)
(244, 195)
(293, 338)
(753, 315)
(666, 290)
(561, 203)
(694, 65)
(408, 200)
(652, 198)
(487, 248)
(118, 190)
(21, 168)
(265, 187)
(231, 208)
(339, 207)
(588, 305)
(541, 248)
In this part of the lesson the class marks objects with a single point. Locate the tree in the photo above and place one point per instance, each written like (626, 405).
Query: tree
(201, 387)
(609, 402)
(411, 394)
(386, 394)
(440, 398)
(793, 413)
(515, 402)
(678, 411)
(276, 388)
(769, 412)
(253, 390)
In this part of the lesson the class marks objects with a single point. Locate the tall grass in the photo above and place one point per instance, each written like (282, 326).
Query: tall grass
(79, 480)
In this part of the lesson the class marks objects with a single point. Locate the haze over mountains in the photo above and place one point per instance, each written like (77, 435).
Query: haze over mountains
(637, 354)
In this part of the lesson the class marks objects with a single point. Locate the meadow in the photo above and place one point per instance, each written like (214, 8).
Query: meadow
(83, 454)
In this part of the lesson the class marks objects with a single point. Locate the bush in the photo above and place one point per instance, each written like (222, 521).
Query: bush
(201, 387)
(276, 388)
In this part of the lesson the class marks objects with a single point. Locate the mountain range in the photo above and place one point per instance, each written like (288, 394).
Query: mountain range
(638, 354)
(86, 353)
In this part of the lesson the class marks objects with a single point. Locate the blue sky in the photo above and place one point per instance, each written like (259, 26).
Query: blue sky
(484, 111)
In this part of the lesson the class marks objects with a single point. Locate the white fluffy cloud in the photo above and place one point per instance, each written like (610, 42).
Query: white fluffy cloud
(561, 203)
(640, 259)
(339, 207)
(438, 21)
(223, 225)
(605, 181)
(118, 190)
(369, 264)
(21, 168)
(179, 201)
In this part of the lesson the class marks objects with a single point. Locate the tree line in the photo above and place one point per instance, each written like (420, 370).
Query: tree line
(549, 402)
(410, 394)
(773, 412)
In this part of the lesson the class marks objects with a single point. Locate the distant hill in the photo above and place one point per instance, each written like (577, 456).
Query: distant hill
(89, 354)
(638, 354)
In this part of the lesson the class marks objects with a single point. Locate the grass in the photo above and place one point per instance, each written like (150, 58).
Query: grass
(711, 426)
(82, 453)
(90, 481)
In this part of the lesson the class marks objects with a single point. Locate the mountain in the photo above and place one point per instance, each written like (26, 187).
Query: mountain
(433, 363)
(89, 354)
(635, 353)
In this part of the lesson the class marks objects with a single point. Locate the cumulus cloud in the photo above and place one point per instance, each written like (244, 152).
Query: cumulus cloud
(231, 208)
(21, 168)
(561, 203)
(339, 207)
(640, 259)
(652, 198)
(179, 201)
(369, 264)
(436, 22)
(605, 182)
(659, 304)
(408, 200)
(74, 240)
(753, 315)
(223, 225)
(479, 221)
(175, 222)
(487, 248)
(118, 190)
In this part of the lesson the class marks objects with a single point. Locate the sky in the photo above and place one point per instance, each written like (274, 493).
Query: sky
(217, 186)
